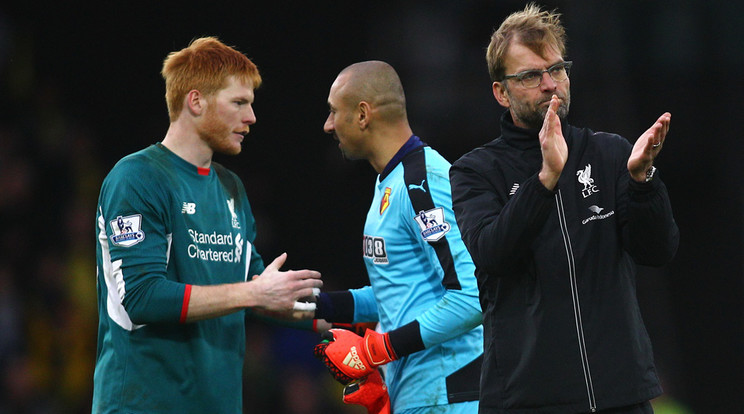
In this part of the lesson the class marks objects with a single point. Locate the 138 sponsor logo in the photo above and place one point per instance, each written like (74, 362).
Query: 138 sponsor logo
(374, 248)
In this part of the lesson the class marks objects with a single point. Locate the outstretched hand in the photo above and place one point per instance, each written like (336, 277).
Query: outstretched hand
(553, 146)
(647, 147)
(277, 291)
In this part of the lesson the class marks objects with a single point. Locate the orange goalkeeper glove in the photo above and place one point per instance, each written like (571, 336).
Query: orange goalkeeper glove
(349, 356)
(370, 392)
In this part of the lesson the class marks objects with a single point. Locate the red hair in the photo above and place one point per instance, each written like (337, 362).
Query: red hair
(205, 65)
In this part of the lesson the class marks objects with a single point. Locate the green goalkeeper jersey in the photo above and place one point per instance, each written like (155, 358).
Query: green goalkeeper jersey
(162, 226)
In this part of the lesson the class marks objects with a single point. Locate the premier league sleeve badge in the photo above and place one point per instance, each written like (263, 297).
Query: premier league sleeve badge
(432, 224)
(126, 231)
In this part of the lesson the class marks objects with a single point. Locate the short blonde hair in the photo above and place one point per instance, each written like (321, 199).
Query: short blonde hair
(205, 65)
(535, 28)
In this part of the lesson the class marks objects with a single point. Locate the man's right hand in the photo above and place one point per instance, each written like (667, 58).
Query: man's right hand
(553, 146)
(277, 291)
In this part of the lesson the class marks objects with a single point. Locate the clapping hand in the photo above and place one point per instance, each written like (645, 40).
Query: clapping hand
(647, 147)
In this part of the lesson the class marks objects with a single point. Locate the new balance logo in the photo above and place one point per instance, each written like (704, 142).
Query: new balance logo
(188, 208)
(353, 361)
(419, 186)
(514, 189)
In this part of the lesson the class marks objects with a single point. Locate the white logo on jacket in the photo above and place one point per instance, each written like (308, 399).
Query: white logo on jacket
(585, 178)
(597, 210)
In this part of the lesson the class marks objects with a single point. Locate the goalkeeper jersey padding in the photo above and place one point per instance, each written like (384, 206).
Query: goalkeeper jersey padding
(163, 224)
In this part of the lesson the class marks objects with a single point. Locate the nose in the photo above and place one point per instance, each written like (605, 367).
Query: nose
(328, 126)
(250, 117)
(547, 83)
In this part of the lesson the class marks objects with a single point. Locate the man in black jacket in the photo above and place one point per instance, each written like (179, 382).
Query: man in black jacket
(556, 219)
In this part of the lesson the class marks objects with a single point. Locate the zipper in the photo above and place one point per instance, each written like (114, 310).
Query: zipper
(576, 304)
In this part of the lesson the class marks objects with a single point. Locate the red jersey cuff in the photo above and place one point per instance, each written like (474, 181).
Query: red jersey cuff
(185, 306)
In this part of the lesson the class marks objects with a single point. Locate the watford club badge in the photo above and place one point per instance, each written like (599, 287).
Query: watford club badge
(385, 200)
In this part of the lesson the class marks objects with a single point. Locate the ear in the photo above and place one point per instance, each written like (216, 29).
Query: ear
(500, 93)
(196, 102)
(364, 114)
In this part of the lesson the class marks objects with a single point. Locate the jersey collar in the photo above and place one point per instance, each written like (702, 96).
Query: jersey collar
(413, 143)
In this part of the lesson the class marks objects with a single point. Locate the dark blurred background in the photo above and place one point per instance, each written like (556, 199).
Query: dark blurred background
(80, 88)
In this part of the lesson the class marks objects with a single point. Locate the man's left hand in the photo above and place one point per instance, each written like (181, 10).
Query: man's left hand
(349, 356)
(647, 147)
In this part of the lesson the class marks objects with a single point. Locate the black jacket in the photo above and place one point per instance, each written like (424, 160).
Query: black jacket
(556, 271)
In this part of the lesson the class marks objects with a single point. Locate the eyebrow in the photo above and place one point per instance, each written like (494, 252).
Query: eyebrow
(549, 65)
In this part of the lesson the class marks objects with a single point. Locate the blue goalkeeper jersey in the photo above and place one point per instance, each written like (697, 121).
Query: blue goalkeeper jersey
(419, 270)
(163, 225)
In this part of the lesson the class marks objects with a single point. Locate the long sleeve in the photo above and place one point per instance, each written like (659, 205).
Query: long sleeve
(650, 235)
(456, 313)
(498, 231)
(137, 268)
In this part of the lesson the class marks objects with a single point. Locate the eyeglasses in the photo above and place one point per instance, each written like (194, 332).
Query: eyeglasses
(533, 78)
